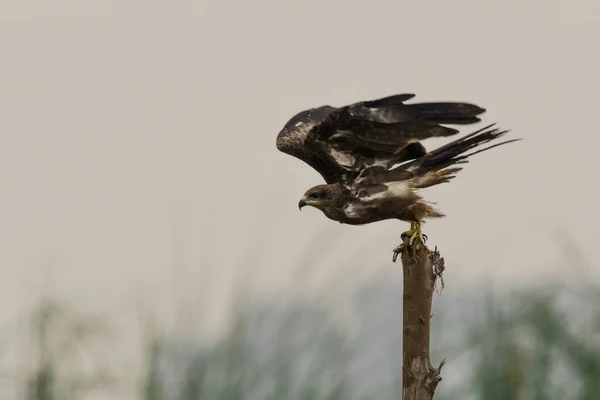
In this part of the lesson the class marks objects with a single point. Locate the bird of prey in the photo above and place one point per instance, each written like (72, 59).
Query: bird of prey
(371, 157)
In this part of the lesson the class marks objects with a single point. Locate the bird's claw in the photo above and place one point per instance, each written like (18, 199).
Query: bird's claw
(412, 235)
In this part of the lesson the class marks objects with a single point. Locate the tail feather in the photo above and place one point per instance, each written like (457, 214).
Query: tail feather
(455, 152)
(433, 178)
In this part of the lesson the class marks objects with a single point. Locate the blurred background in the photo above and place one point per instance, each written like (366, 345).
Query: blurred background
(151, 246)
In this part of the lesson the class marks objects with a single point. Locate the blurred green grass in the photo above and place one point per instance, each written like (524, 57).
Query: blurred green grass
(536, 343)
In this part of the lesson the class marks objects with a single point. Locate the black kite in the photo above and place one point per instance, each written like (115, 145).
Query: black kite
(371, 157)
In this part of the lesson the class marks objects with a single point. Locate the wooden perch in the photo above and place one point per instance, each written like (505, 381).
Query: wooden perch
(421, 270)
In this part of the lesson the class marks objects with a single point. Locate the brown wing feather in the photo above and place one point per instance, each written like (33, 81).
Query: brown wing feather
(340, 142)
(297, 139)
(437, 166)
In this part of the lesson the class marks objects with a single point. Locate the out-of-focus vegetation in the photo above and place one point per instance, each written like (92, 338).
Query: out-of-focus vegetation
(534, 344)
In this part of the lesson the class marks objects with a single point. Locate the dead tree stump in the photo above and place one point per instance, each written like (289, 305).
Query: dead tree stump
(422, 268)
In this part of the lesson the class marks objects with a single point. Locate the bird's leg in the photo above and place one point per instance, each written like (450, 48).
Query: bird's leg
(408, 232)
(413, 233)
(418, 234)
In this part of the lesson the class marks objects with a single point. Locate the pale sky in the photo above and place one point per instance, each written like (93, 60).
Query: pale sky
(137, 141)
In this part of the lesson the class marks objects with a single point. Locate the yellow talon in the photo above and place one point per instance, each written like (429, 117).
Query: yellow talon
(413, 233)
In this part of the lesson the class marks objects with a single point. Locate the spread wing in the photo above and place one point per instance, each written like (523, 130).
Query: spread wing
(340, 142)
(437, 166)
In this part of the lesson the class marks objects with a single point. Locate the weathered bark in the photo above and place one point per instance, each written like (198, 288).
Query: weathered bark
(421, 268)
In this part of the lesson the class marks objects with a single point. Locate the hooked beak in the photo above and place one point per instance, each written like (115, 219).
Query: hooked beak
(301, 204)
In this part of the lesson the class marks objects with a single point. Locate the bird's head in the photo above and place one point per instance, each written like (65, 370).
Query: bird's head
(321, 196)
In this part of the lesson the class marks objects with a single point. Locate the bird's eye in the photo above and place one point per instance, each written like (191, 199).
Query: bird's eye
(314, 195)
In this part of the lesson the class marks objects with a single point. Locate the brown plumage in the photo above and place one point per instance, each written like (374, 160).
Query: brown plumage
(371, 158)
(340, 142)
